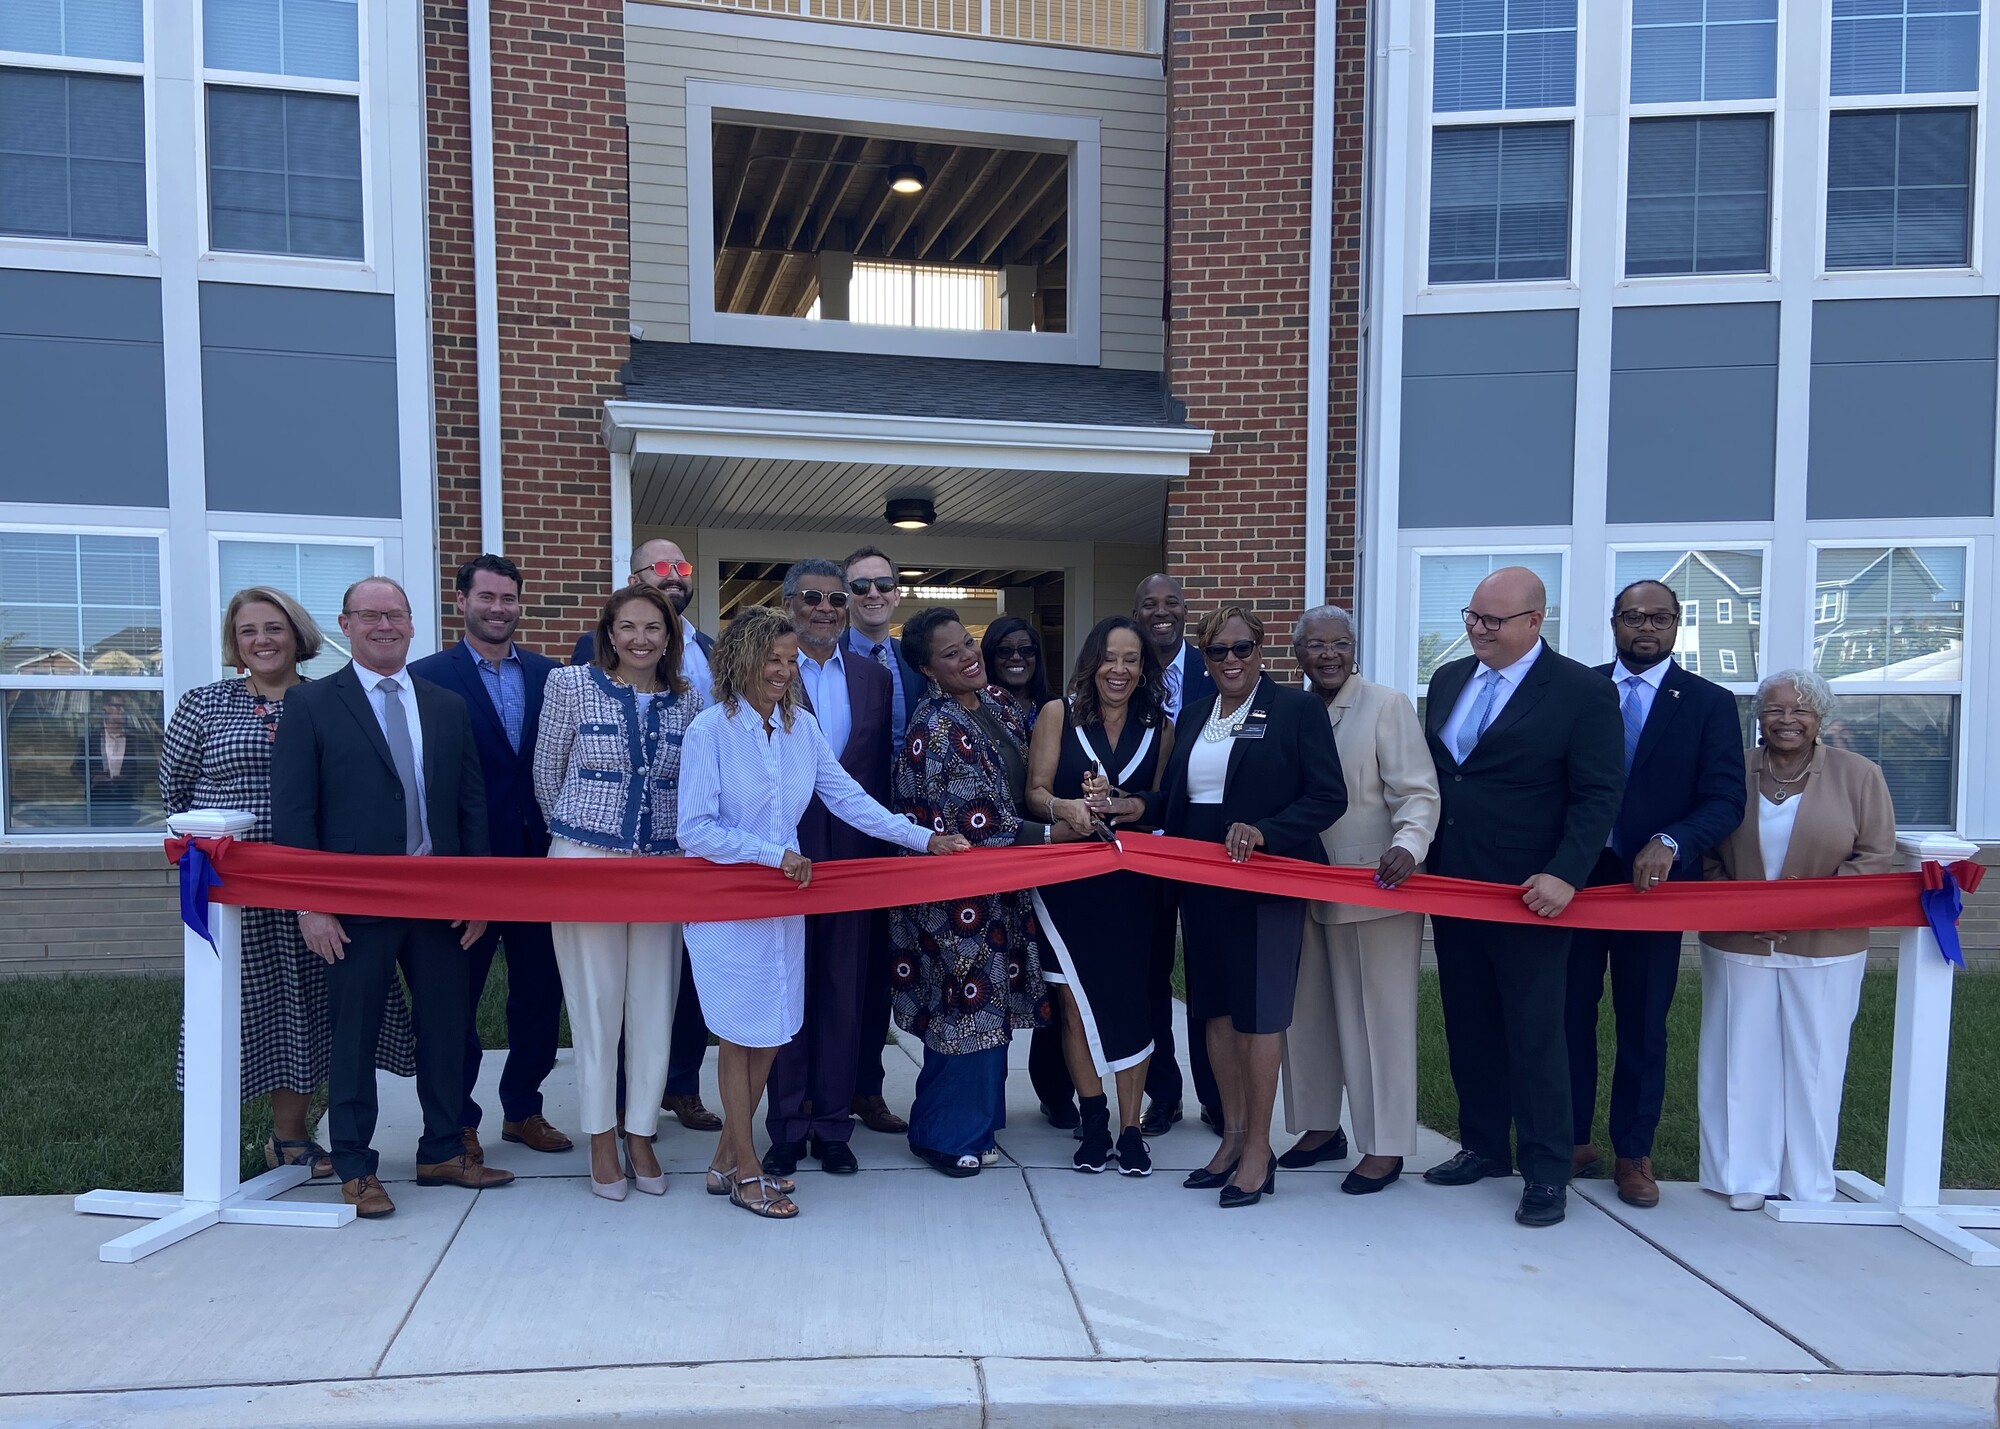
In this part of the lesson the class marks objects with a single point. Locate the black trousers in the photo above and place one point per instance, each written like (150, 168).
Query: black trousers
(818, 1065)
(874, 1008)
(1048, 1068)
(1645, 969)
(534, 1017)
(689, 1043)
(356, 988)
(1163, 1073)
(1503, 990)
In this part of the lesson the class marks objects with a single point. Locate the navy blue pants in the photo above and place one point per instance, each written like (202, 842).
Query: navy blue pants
(534, 1017)
(961, 1101)
(1645, 970)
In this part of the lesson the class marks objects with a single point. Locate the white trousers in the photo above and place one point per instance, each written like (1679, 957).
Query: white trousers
(618, 978)
(1773, 1066)
(1354, 1023)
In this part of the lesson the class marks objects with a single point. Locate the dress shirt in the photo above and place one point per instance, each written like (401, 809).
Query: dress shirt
(506, 685)
(826, 687)
(1174, 681)
(876, 650)
(378, 702)
(694, 663)
(1646, 691)
(1510, 681)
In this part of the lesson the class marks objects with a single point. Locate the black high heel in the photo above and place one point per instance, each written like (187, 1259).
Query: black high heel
(1233, 1196)
(1203, 1179)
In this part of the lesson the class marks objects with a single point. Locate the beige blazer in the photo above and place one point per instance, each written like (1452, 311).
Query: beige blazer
(1846, 824)
(1392, 786)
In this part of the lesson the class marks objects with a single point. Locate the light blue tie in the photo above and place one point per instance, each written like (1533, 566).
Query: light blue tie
(1635, 720)
(1482, 715)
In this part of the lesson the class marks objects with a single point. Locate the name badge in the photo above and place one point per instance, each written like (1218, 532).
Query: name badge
(1252, 731)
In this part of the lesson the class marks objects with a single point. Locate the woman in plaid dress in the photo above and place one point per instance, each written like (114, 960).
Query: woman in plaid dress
(217, 755)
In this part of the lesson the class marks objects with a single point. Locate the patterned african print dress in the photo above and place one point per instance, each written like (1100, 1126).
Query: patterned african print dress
(217, 755)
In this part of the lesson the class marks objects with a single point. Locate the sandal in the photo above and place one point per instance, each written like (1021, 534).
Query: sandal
(783, 1208)
(280, 1152)
(990, 1156)
(953, 1166)
(720, 1182)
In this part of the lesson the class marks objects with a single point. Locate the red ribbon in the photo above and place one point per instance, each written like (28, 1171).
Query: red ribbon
(682, 890)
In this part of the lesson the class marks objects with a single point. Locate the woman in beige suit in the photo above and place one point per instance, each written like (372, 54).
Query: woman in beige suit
(1354, 1021)
(1777, 1007)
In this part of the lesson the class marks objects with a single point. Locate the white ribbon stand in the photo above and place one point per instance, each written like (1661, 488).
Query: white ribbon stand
(1910, 1196)
(212, 1104)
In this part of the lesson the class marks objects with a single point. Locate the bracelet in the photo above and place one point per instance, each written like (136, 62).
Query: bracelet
(1049, 831)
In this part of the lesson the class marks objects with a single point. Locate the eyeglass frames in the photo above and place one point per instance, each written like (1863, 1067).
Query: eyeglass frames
(1241, 649)
(663, 569)
(1490, 623)
(813, 599)
(1649, 619)
(880, 584)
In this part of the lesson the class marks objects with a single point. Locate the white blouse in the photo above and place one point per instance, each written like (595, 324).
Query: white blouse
(1775, 822)
(1208, 769)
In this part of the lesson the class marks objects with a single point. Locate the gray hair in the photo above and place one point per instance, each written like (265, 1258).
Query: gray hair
(1814, 692)
(810, 566)
(1321, 612)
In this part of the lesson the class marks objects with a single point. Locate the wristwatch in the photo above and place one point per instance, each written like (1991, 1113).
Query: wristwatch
(1672, 847)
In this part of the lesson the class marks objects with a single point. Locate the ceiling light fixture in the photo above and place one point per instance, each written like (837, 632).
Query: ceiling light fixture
(910, 513)
(908, 178)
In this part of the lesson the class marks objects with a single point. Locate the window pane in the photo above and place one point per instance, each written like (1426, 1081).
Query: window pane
(1704, 49)
(1889, 615)
(1915, 740)
(305, 37)
(1499, 203)
(1699, 196)
(1716, 580)
(1899, 189)
(77, 606)
(72, 156)
(87, 29)
(285, 173)
(1444, 588)
(1503, 54)
(81, 759)
(315, 576)
(1905, 46)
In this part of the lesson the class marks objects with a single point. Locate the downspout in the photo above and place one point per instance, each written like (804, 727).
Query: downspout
(1319, 296)
(485, 272)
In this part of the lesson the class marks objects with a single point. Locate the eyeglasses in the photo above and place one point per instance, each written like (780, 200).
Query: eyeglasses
(663, 569)
(1490, 623)
(881, 584)
(1321, 647)
(813, 599)
(1650, 619)
(378, 617)
(1241, 649)
(1787, 712)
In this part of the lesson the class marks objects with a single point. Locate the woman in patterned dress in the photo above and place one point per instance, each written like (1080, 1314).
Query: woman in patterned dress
(217, 755)
(965, 973)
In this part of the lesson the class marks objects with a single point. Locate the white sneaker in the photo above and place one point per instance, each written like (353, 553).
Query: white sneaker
(1748, 1201)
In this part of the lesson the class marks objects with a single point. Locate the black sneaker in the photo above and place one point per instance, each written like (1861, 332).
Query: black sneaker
(1093, 1152)
(1134, 1157)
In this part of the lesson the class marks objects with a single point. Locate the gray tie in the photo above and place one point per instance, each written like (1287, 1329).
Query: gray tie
(396, 723)
(1479, 716)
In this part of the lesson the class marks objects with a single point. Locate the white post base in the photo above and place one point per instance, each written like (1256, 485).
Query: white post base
(175, 1218)
(1948, 1227)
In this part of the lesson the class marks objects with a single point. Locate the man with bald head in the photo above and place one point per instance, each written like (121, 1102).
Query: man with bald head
(1530, 759)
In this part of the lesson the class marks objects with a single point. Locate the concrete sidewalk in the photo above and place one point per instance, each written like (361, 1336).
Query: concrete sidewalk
(1030, 1295)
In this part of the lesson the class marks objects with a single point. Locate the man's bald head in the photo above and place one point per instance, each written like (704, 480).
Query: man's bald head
(1162, 613)
(1513, 601)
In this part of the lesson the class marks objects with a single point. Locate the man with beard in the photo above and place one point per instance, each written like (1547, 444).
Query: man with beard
(663, 566)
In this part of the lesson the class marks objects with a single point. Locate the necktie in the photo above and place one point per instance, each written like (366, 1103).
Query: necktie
(1635, 719)
(396, 722)
(1482, 715)
(1174, 690)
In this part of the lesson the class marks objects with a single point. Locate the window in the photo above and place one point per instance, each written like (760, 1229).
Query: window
(1690, 614)
(316, 574)
(1499, 203)
(80, 681)
(1753, 611)
(1698, 195)
(1693, 50)
(1905, 46)
(1445, 583)
(1719, 576)
(1725, 613)
(1725, 661)
(284, 153)
(1899, 189)
(923, 295)
(1828, 607)
(73, 136)
(1690, 661)
(1504, 54)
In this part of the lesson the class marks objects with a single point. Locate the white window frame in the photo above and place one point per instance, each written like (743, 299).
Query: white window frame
(1076, 135)
(1725, 610)
(217, 595)
(1690, 660)
(1725, 662)
(1413, 610)
(1691, 615)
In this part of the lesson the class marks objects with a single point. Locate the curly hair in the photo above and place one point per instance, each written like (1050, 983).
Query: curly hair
(919, 629)
(1148, 700)
(739, 656)
(605, 654)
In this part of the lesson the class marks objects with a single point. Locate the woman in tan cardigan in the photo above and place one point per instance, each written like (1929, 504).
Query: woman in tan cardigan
(1777, 1007)
(1354, 1018)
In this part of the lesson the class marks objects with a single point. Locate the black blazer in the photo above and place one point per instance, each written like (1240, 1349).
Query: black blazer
(334, 786)
(1288, 783)
(1540, 791)
(1686, 779)
(513, 818)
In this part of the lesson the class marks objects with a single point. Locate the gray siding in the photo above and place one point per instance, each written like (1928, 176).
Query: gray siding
(1694, 413)
(299, 401)
(82, 390)
(1902, 408)
(1489, 419)
(659, 62)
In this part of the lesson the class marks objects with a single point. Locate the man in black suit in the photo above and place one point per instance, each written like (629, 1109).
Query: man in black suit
(373, 760)
(1160, 607)
(850, 697)
(1684, 795)
(1527, 748)
(501, 685)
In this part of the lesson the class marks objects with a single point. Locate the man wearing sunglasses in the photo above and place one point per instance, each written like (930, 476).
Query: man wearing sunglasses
(850, 697)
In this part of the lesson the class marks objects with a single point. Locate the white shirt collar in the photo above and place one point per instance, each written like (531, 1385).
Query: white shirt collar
(832, 662)
(1513, 674)
(372, 682)
(1652, 677)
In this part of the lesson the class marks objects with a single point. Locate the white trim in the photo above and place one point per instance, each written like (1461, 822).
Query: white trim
(485, 275)
(1067, 977)
(1379, 397)
(622, 542)
(892, 40)
(1319, 297)
(405, 210)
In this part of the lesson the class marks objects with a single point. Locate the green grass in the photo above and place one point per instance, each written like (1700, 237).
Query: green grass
(87, 1064)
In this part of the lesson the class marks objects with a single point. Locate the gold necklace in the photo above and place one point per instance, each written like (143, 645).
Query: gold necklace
(1783, 792)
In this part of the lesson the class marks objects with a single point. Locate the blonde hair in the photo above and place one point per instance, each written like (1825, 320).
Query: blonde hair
(739, 656)
(305, 630)
(1212, 623)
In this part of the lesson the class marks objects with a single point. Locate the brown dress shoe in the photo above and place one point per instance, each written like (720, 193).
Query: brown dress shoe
(474, 1152)
(1634, 1178)
(876, 1116)
(366, 1195)
(535, 1133)
(462, 1170)
(693, 1115)
(1584, 1163)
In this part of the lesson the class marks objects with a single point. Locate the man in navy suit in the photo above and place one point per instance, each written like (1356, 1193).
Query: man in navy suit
(501, 685)
(850, 697)
(1683, 796)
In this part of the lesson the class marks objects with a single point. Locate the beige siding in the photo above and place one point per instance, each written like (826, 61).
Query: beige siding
(88, 910)
(1132, 113)
(1117, 569)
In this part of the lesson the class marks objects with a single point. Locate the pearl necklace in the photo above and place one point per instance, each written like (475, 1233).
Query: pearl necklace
(1220, 727)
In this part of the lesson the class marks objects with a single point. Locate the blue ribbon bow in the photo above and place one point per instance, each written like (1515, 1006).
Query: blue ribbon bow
(1942, 904)
(198, 875)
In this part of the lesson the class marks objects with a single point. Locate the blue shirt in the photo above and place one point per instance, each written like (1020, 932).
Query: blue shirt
(885, 654)
(826, 689)
(507, 686)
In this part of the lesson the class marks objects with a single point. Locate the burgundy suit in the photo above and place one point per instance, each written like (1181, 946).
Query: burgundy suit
(817, 1067)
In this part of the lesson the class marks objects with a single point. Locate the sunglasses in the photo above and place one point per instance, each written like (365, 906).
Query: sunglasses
(812, 599)
(1023, 652)
(882, 584)
(663, 569)
(1242, 650)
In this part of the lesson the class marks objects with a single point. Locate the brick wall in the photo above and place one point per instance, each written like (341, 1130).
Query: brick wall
(560, 199)
(87, 910)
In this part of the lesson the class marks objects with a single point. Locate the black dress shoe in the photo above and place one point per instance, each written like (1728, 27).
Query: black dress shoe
(1159, 1118)
(1356, 1184)
(1062, 1116)
(1465, 1168)
(1542, 1205)
(783, 1157)
(1211, 1117)
(1232, 1196)
(836, 1158)
(1334, 1148)
(1203, 1179)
